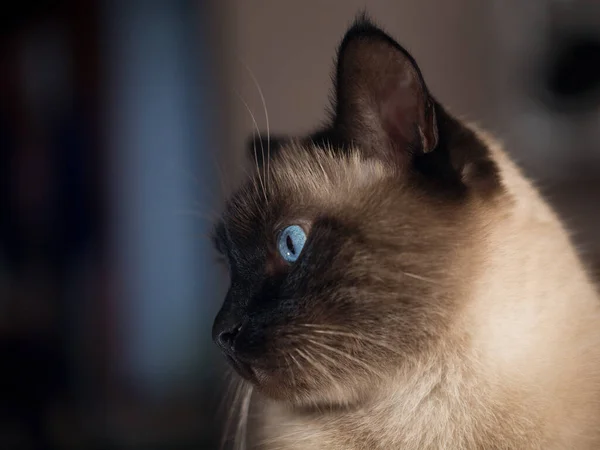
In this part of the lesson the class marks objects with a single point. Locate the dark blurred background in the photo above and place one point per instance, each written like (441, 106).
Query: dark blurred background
(121, 129)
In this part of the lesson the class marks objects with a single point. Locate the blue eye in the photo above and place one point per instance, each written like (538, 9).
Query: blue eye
(291, 241)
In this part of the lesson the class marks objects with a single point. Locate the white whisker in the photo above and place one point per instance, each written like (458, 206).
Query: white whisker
(343, 354)
(231, 414)
(241, 434)
(420, 277)
(264, 103)
(254, 146)
(297, 364)
(355, 336)
(320, 367)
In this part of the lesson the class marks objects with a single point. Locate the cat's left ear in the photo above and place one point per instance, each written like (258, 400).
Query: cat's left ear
(382, 102)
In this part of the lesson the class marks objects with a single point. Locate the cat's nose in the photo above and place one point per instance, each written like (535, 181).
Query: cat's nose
(225, 339)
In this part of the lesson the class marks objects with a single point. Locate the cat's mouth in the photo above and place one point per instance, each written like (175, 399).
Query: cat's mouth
(228, 340)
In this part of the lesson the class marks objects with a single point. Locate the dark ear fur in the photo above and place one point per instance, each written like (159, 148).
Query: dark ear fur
(382, 106)
(382, 102)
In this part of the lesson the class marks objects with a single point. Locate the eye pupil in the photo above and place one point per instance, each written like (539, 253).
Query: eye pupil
(290, 243)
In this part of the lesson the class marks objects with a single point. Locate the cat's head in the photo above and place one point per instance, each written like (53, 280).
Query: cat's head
(350, 251)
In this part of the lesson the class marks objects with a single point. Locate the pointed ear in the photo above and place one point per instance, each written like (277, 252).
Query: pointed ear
(382, 103)
(260, 148)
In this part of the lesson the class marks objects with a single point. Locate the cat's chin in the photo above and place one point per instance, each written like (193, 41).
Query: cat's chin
(267, 383)
(243, 369)
(278, 388)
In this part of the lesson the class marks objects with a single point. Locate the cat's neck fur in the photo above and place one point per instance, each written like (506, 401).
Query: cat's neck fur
(527, 341)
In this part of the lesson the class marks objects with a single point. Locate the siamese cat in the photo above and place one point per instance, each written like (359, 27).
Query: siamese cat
(397, 283)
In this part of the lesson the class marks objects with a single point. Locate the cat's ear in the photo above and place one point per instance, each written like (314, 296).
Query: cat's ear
(381, 100)
(260, 148)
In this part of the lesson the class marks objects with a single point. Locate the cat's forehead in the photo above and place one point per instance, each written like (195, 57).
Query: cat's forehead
(301, 179)
(317, 170)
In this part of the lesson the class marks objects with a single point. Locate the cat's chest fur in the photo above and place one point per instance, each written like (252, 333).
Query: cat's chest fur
(426, 412)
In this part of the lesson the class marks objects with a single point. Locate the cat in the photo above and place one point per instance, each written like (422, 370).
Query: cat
(397, 283)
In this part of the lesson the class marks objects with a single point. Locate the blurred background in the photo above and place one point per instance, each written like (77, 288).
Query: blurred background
(122, 126)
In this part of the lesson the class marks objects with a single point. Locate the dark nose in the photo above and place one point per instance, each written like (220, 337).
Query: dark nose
(225, 339)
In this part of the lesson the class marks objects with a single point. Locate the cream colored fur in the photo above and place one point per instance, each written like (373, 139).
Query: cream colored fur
(521, 372)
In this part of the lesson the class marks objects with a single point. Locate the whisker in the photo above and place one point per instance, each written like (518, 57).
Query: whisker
(264, 103)
(254, 145)
(420, 278)
(242, 428)
(298, 364)
(231, 382)
(331, 360)
(320, 367)
(343, 354)
(355, 336)
(260, 177)
(231, 414)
